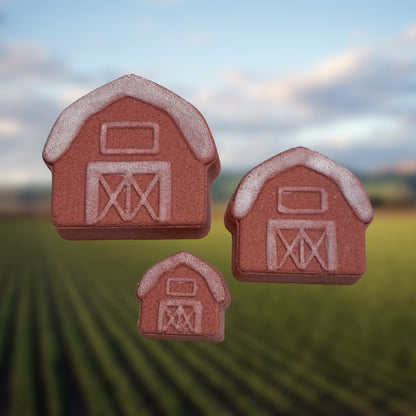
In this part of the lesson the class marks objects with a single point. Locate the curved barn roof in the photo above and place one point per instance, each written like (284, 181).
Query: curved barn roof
(208, 272)
(251, 185)
(189, 120)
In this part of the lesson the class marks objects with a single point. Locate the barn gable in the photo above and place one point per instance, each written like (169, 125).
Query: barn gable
(189, 120)
(251, 185)
(212, 277)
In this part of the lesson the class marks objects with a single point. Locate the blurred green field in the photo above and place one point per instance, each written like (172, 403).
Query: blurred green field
(69, 344)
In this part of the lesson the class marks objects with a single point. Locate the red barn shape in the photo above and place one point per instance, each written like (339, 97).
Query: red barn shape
(182, 297)
(299, 217)
(131, 159)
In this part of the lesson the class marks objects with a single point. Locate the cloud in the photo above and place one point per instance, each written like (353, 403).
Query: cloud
(374, 154)
(29, 61)
(9, 127)
(284, 99)
(357, 107)
(345, 84)
(24, 125)
(325, 74)
(408, 35)
(358, 98)
(35, 87)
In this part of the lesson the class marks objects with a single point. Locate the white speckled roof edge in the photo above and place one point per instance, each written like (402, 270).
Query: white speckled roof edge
(189, 120)
(251, 185)
(214, 280)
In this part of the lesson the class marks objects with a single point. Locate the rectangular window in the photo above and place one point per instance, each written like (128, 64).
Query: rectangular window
(302, 200)
(129, 138)
(180, 287)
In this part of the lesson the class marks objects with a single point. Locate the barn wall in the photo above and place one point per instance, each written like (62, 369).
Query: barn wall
(150, 304)
(188, 175)
(349, 229)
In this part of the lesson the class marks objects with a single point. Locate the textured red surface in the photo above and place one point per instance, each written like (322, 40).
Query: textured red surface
(181, 286)
(189, 186)
(319, 239)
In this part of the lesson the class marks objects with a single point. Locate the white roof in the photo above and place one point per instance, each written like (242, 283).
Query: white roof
(189, 120)
(211, 275)
(252, 183)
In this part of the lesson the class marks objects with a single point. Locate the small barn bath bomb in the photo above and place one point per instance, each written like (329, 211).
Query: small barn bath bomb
(299, 217)
(183, 298)
(130, 160)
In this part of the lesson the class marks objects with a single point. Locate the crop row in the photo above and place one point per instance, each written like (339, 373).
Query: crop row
(245, 384)
(261, 387)
(69, 344)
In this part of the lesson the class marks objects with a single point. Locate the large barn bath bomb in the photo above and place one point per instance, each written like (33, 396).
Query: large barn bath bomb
(183, 298)
(130, 160)
(299, 217)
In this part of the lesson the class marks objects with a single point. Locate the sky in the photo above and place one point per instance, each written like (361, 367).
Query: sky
(337, 77)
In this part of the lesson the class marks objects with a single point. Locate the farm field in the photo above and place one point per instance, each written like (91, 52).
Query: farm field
(69, 343)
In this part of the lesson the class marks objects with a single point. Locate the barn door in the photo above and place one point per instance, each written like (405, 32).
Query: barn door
(179, 316)
(305, 245)
(117, 185)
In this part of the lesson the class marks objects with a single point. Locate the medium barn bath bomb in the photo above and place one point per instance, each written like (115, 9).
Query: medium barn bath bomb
(184, 298)
(299, 217)
(130, 160)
